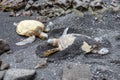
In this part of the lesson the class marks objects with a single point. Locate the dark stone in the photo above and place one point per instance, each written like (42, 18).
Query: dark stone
(97, 4)
(19, 74)
(29, 4)
(4, 46)
(81, 5)
(9, 5)
(26, 13)
(117, 38)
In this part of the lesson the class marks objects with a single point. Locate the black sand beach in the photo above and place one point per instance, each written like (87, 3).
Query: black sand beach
(105, 67)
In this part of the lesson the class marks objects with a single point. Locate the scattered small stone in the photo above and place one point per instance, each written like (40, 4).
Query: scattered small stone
(11, 5)
(26, 13)
(115, 61)
(19, 74)
(9, 52)
(81, 5)
(76, 72)
(97, 4)
(4, 46)
(65, 4)
(15, 14)
(115, 5)
(41, 63)
(38, 4)
(18, 14)
(29, 4)
(12, 14)
(4, 66)
(42, 19)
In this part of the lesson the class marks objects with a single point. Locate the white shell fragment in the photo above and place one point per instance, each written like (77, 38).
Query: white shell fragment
(15, 24)
(86, 47)
(103, 51)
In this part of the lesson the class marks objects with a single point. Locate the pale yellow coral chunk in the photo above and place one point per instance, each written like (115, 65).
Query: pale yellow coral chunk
(86, 47)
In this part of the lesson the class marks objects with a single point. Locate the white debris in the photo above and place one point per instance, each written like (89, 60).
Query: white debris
(103, 51)
(48, 26)
(15, 24)
(98, 39)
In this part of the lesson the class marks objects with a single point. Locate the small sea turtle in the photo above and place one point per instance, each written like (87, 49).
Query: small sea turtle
(31, 28)
(78, 41)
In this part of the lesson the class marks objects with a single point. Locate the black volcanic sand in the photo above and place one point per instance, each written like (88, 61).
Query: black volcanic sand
(25, 56)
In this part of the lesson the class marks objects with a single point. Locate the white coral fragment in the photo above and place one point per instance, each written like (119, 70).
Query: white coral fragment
(103, 51)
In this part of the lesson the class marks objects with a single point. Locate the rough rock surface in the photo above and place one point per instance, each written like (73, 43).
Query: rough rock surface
(75, 71)
(2, 73)
(12, 4)
(19, 74)
(53, 8)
